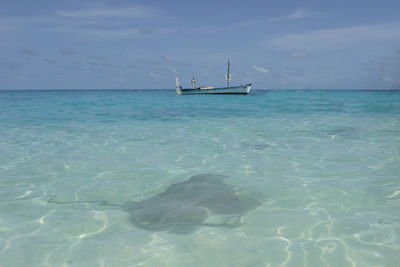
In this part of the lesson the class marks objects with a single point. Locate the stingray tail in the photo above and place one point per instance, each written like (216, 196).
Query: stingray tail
(98, 202)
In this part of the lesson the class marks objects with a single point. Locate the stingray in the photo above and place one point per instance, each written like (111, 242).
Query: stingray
(203, 200)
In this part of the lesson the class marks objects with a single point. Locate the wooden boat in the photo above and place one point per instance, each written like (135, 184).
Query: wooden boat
(240, 89)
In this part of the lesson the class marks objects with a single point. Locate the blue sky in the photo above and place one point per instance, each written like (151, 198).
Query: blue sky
(49, 44)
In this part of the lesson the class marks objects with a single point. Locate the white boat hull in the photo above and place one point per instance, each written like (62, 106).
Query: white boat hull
(242, 89)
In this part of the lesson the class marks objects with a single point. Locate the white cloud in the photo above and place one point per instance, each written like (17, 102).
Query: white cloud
(112, 23)
(261, 69)
(131, 12)
(332, 38)
(123, 33)
(298, 54)
(299, 13)
(156, 76)
(108, 23)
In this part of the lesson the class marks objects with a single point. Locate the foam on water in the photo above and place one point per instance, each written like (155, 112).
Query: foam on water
(324, 164)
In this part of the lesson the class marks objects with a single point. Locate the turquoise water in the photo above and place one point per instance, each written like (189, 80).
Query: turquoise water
(325, 166)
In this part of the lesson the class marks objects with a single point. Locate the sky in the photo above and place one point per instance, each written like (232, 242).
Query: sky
(121, 44)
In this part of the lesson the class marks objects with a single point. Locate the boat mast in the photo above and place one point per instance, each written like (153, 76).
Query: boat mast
(227, 76)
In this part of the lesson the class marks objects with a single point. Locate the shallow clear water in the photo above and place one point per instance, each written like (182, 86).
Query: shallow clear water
(324, 164)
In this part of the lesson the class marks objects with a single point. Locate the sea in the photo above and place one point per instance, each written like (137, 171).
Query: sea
(75, 166)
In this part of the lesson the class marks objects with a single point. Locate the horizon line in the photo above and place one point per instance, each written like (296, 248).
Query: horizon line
(170, 89)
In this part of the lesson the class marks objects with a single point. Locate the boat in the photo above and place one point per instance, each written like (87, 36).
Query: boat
(240, 89)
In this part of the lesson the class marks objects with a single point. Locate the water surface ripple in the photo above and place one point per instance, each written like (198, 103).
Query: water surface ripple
(325, 166)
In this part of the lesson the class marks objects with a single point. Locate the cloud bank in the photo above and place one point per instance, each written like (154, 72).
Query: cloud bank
(332, 38)
(300, 13)
(130, 12)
